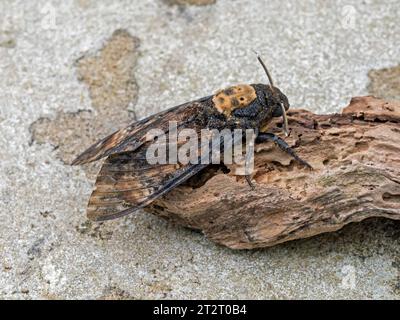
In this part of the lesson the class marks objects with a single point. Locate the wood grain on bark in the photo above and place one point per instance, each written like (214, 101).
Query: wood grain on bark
(356, 161)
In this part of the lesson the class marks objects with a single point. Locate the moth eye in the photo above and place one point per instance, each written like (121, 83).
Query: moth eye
(241, 99)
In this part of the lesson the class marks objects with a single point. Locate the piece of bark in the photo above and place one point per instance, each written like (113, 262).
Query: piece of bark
(356, 161)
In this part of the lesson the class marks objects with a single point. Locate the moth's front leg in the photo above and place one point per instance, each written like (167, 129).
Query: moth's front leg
(266, 136)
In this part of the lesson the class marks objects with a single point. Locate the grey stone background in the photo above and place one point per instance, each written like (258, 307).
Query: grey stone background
(73, 71)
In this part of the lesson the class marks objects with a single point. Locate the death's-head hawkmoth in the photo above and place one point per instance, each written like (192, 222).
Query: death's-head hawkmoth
(128, 182)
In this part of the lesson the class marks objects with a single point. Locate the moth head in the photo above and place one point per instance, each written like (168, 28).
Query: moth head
(276, 99)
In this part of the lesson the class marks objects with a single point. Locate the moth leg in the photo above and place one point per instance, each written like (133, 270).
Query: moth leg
(248, 179)
(266, 136)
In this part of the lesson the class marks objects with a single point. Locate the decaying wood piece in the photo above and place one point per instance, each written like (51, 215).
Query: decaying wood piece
(356, 161)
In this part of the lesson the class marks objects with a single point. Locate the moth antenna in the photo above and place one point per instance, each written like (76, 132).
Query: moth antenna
(266, 71)
(284, 117)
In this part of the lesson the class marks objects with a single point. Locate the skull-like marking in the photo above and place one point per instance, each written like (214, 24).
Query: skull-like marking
(229, 99)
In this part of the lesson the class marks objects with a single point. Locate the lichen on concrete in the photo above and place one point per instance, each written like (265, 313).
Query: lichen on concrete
(109, 76)
(385, 83)
(8, 43)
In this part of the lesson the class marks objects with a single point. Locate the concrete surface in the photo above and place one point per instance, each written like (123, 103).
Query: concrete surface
(72, 71)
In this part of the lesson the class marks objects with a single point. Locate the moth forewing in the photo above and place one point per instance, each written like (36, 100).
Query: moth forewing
(189, 147)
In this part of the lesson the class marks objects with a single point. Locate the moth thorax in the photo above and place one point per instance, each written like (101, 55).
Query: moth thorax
(229, 99)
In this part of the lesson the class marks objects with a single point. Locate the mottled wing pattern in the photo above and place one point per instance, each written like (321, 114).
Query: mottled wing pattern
(127, 182)
(134, 135)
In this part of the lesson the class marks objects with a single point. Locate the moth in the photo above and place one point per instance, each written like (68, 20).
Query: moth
(127, 182)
